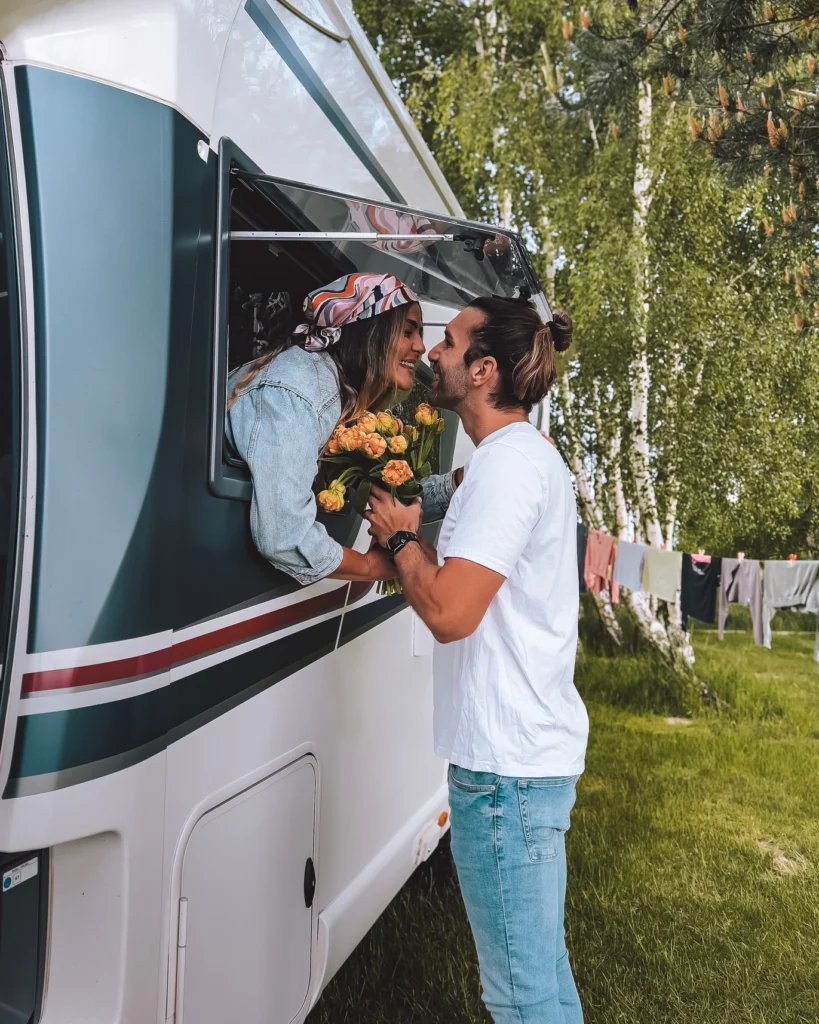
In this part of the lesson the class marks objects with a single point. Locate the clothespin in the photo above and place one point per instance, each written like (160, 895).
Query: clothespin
(792, 559)
(740, 555)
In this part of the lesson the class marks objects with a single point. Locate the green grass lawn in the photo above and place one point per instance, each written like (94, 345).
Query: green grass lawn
(693, 886)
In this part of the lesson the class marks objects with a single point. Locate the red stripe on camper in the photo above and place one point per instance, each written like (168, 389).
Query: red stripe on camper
(250, 628)
(195, 647)
(94, 675)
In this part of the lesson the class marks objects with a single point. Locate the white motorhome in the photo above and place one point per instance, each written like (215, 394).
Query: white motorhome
(213, 781)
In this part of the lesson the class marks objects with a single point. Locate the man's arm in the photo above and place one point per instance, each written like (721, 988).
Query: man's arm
(450, 599)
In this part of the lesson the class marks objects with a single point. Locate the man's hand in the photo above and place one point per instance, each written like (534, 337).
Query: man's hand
(388, 517)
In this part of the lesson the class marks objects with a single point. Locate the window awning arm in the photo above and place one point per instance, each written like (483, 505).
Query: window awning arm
(333, 236)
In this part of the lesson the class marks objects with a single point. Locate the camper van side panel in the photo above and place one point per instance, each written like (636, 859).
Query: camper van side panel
(115, 224)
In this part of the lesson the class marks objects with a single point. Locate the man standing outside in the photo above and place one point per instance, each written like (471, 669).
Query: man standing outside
(500, 595)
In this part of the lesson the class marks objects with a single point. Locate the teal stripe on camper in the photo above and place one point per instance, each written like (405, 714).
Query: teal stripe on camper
(63, 748)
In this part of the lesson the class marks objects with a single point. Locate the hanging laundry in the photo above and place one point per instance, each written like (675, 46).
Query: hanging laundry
(582, 538)
(790, 585)
(662, 571)
(742, 584)
(698, 589)
(600, 554)
(628, 565)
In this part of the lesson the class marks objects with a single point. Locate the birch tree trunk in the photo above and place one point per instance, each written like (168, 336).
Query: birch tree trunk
(639, 378)
(669, 638)
(591, 513)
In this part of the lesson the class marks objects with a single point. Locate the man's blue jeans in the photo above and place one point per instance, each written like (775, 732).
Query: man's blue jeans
(508, 845)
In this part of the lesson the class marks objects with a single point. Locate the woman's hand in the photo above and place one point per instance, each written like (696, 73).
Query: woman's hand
(374, 565)
(379, 564)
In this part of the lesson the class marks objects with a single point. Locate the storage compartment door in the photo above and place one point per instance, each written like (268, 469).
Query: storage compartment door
(246, 877)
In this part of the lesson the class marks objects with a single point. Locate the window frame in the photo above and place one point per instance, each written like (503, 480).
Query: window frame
(226, 478)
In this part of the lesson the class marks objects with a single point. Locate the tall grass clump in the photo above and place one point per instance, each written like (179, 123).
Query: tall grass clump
(631, 676)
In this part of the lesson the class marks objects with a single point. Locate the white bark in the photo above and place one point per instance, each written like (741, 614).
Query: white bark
(620, 507)
(593, 129)
(668, 637)
(506, 211)
(671, 523)
(592, 514)
(547, 249)
(639, 377)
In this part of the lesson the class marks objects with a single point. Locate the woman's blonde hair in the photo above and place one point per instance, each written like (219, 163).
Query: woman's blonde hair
(364, 357)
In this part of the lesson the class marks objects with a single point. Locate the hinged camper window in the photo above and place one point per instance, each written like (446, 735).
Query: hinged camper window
(279, 240)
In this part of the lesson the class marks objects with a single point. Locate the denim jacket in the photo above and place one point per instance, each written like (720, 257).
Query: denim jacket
(279, 426)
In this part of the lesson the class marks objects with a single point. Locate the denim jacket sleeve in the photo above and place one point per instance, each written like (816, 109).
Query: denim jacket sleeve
(282, 456)
(437, 495)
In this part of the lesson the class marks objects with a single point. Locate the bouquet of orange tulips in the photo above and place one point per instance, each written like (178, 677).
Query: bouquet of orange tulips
(379, 449)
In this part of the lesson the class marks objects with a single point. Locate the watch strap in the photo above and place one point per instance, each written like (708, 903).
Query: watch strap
(399, 540)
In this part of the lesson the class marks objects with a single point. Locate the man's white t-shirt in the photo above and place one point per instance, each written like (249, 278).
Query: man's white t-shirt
(505, 700)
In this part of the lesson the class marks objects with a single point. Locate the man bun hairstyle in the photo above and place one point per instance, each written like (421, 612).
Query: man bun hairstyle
(523, 347)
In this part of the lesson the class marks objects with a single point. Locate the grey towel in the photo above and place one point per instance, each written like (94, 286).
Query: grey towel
(628, 565)
(742, 584)
(794, 586)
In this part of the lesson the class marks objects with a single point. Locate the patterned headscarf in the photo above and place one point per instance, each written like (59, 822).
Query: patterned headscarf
(349, 298)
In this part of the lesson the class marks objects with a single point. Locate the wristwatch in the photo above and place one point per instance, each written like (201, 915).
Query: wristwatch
(400, 540)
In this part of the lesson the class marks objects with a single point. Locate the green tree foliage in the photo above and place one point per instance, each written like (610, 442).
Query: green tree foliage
(664, 264)
(748, 73)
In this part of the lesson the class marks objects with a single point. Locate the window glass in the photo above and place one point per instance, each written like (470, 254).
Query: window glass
(268, 280)
(262, 282)
(480, 260)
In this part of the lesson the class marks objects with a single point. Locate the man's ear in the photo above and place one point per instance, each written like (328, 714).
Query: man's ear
(483, 371)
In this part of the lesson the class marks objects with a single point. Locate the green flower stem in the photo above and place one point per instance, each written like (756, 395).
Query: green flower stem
(349, 475)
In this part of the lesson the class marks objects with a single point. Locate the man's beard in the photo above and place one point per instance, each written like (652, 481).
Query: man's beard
(450, 390)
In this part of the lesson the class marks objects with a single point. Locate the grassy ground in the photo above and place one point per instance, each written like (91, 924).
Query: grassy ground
(694, 849)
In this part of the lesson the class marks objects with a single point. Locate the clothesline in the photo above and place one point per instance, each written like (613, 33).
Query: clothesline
(699, 581)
